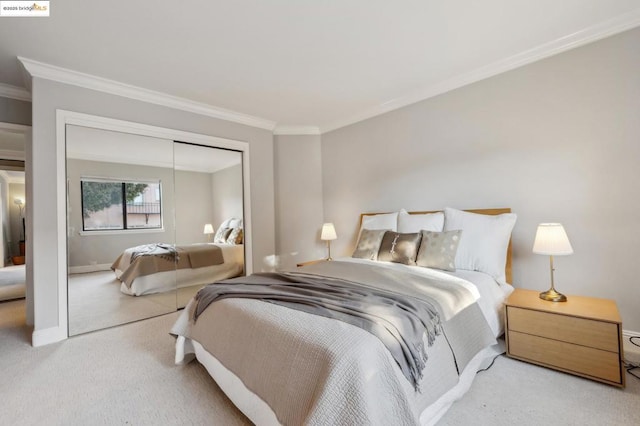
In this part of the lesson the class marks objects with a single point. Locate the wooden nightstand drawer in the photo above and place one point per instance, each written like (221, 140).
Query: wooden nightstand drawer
(596, 363)
(582, 336)
(581, 331)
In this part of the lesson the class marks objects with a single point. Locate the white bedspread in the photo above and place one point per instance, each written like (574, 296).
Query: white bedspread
(315, 370)
(166, 281)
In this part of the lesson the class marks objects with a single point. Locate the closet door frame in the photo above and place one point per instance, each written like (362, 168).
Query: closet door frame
(64, 117)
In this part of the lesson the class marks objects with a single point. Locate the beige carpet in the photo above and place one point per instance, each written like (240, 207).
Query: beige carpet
(125, 375)
(96, 302)
(12, 282)
(122, 375)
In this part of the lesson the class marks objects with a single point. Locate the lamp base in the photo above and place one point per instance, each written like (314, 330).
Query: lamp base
(553, 296)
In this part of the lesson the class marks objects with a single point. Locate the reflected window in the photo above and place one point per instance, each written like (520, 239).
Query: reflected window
(120, 205)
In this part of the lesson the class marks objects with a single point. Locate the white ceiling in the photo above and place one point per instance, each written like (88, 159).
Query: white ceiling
(304, 62)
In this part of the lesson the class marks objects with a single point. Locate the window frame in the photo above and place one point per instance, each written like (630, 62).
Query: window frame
(124, 229)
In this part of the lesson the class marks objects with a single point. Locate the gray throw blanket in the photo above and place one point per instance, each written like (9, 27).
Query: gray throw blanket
(164, 251)
(399, 321)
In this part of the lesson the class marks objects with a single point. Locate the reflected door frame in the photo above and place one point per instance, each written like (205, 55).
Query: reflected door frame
(63, 118)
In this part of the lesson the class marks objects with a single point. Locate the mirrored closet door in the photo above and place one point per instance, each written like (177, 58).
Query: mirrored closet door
(209, 211)
(149, 222)
(120, 228)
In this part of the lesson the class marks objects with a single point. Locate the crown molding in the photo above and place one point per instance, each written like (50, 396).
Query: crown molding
(296, 130)
(14, 92)
(588, 35)
(87, 81)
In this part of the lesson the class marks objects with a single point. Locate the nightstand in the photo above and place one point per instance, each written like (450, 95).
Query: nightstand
(582, 336)
(310, 262)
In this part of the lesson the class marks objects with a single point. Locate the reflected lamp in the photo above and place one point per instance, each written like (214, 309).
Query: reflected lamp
(208, 230)
(328, 234)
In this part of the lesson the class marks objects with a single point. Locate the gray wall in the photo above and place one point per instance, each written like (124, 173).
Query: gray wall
(556, 140)
(226, 190)
(299, 210)
(191, 200)
(15, 111)
(105, 248)
(49, 96)
(194, 205)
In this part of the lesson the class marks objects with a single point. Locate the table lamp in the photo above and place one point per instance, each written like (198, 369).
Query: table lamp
(208, 230)
(328, 234)
(552, 240)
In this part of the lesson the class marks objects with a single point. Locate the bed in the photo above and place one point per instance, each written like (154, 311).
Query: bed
(156, 268)
(303, 366)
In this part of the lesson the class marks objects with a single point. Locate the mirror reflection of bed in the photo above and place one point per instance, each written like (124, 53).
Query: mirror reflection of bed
(137, 208)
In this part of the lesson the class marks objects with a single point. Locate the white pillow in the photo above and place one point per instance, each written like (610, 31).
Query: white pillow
(235, 223)
(388, 221)
(484, 240)
(410, 223)
(231, 223)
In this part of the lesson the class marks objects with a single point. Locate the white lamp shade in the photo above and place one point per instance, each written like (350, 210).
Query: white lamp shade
(328, 232)
(551, 239)
(208, 228)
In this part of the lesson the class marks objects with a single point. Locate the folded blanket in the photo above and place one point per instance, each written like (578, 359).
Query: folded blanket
(165, 251)
(152, 258)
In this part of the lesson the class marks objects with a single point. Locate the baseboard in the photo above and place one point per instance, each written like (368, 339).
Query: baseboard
(89, 268)
(47, 336)
(631, 351)
(630, 333)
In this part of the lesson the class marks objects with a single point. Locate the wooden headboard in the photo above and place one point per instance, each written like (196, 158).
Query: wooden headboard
(507, 269)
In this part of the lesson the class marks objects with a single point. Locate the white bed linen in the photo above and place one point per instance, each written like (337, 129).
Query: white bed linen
(186, 277)
(261, 414)
(492, 297)
(435, 401)
(489, 294)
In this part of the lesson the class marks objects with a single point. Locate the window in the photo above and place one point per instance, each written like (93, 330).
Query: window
(117, 205)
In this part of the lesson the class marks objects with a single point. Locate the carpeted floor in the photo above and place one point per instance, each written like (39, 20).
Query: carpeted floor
(125, 375)
(12, 282)
(96, 302)
(121, 375)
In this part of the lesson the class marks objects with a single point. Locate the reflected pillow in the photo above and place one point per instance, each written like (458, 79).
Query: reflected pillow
(234, 223)
(399, 248)
(235, 236)
(438, 250)
(369, 244)
(221, 235)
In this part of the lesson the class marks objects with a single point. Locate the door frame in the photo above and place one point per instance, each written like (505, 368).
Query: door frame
(64, 117)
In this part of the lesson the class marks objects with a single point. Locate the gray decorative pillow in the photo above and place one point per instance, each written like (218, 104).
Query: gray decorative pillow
(399, 248)
(369, 244)
(221, 235)
(438, 249)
